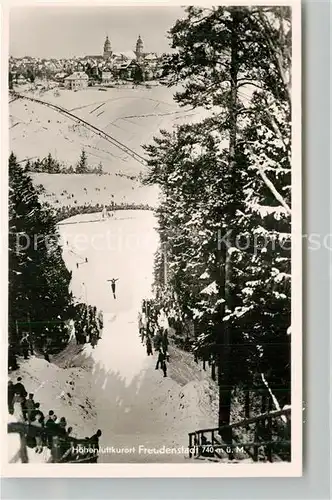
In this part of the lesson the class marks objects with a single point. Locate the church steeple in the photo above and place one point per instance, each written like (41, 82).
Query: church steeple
(139, 47)
(107, 48)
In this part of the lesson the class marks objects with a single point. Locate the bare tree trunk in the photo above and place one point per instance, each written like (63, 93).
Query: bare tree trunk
(247, 404)
(225, 388)
(213, 371)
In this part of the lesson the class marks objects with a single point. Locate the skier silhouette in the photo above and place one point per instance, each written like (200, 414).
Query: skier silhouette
(113, 280)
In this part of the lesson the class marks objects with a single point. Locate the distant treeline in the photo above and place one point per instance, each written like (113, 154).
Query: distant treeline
(67, 212)
(50, 165)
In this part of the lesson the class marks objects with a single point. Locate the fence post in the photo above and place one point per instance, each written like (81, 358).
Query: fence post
(269, 439)
(197, 443)
(269, 432)
(212, 441)
(255, 455)
(56, 450)
(23, 448)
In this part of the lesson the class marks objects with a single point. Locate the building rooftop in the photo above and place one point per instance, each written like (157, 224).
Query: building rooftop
(129, 54)
(77, 75)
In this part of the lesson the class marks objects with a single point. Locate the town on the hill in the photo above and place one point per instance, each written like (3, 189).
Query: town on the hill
(88, 70)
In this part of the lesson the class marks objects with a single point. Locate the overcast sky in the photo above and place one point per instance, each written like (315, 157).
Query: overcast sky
(75, 31)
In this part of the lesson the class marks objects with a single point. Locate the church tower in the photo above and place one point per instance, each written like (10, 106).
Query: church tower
(107, 48)
(139, 48)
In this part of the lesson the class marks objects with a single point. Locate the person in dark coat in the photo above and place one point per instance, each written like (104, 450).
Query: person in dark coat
(20, 389)
(149, 346)
(50, 426)
(10, 397)
(12, 358)
(164, 366)
(63, 435)
(164, 341)
(25, 347)
(62, 426)
(30, 408)
(37, 412)
(160, 360)
(94, 443)
(39, 422)
(22, 393)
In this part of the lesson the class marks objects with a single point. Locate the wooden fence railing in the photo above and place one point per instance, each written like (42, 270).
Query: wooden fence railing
(208, 442)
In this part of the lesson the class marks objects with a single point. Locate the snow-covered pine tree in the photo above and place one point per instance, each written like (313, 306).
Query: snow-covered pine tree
(203, 64)
(82, 165)
(39, 296)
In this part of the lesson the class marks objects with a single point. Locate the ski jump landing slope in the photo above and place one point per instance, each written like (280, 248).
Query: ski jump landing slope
(137, 408)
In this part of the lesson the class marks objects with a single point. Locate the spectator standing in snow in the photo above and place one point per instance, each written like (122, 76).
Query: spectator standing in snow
(18, 408)
(160, 359)
(63, 425)
(10, 397)
(150, 329)
(39, 422)
(50, 427)
(164, 366)
(12, 361)
(157, 340)
(149, 346)
(21, 394)
(37, 412)
(164, 341)
(162, 362)
(93, 341)
(25, 347)
(30, 407)
(62, 435)
(20, 389)
(94, 444)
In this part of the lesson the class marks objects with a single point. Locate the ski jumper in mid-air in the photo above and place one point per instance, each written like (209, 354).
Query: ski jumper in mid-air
(112, 281)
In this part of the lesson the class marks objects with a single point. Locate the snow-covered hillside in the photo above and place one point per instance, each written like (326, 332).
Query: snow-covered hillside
(132, 116)
(72, 190)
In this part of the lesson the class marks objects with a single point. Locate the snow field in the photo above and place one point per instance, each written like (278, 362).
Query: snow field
(131, 116)
(92, 189)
